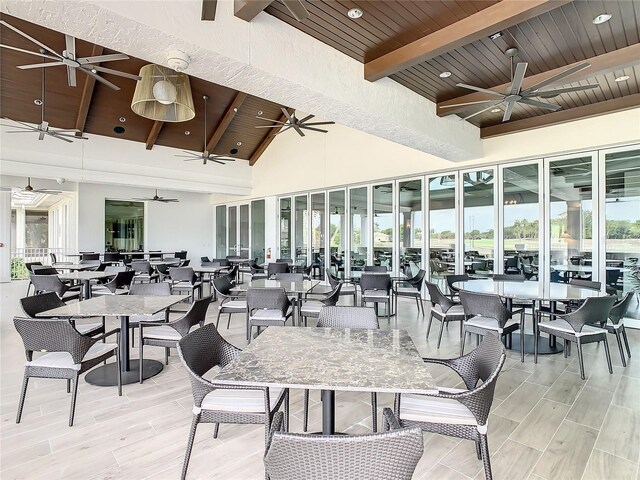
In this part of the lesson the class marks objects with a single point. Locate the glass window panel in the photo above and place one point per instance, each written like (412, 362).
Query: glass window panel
(521, 224)
(257, 230)
(244, 231)
(233, 225)
(221, 230)
(570, 215)
(410, 225)
(442, 227)
(622, 221)
(383, 225)
(124, 225)
(302, 229)
(358, 224)
(336, 231)
(285, 228)
(36, 229)
(317, 230)
(479, 221)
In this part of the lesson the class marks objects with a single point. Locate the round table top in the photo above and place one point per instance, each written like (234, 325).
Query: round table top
(529, 290)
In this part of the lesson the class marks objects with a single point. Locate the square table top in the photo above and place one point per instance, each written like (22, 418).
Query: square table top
(331, 359)
(116, 305)
(80, 275)
(74, 266)
(209, 269)
(290, 287)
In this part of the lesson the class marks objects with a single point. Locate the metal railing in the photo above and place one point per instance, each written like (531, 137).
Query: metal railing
(20, 256)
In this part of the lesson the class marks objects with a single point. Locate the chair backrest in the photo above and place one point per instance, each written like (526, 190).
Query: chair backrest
(44, 270)
(451, 279)
(90, 256)
(508, 277)
(348, 317)
(375, 268)
(161, 288)
(333, 280)
(511, 262)
(222, 285)
(486, 305)
(112, 257)
(162, 268)
(123, 279)
(233, 257)
(182, 254)
(416, 280)
(204, 260)
(155, 254)
(375, 281)
(289, 277)
(48, 283)
(36, 304)
(579, 282)
(388, 455)
(276, 267)
(332, 298)
(437, 297)
(141, 266)
(196, 314)
(594, 310)
(53, 258)
(182, 274)
(223, 262)
(29, 266)
(52, 336)
(185, 263)
(284, 260)
(619, 309)
(268, 298)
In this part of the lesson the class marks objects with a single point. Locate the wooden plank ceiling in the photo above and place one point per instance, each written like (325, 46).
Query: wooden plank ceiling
(103, 107)
(563, 35)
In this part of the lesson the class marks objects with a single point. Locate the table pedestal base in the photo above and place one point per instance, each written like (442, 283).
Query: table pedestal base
(107, 375)
(328, 412)
(543, 345)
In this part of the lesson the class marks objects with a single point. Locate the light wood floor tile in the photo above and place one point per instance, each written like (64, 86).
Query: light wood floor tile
(591, 406)
(442, 472)
(603, 465)
(566, 388)
(512, 457)
(518, 405)
(628, 393)
(620, 434)
(540, 425)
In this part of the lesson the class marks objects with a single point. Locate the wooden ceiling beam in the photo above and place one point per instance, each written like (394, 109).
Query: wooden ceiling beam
(226, 121)
(607, 62)
(269, 138)
(87, 95)
(153, 134)
(248, 9)
(563, 116)
(490, 20)
(208, 10)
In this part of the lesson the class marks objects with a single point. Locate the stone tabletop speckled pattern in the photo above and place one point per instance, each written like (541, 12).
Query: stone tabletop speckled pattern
(116, 305)
(289, 287)
(331, 359)
(85, 275)
(529, 290)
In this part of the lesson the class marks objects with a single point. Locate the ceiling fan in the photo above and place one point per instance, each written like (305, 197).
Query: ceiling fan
(87, 65)
(156, 198)
(30, 189)
(516, 94)
(298, 124)
(205, 156)
(43, 129)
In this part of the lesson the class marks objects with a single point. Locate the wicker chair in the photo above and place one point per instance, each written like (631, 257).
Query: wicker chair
(346, 317)
(312, 308)
(375, 269)
(348, 288)
(144, 271)
(169, 334)
(118, 285)
(289, 277)
(202, 350)
(277, 267)
(69, 354)
(414, 290)
(29, 266)
(230, 302)
(390, 455)
(508, 277)
(267, 307)
(51, 283)
(184, 279)
(487, 313)
(615, 325)
(459, 413)
(578, 327)
(161, 289)
(376, 288)
(444, 309)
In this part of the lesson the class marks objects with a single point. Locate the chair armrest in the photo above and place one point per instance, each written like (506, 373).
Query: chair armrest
(390, 422)
(277, 425)
(108, 334)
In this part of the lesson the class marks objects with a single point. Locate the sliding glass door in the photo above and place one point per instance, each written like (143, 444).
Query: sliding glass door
(301, 230)
(359, 227)
(257, 230)
(221, 231)
(383, 225)
(232, 243)
(410, 226)
(337, 219)
(285, 228)
(442, 226)
(479, 220)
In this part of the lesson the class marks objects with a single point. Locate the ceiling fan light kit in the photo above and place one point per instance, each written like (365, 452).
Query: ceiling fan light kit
(163, 94)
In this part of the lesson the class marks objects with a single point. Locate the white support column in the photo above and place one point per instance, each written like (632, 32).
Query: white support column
(21, 227)
(5, 237)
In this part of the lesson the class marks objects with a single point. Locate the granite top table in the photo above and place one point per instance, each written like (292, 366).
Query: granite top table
(74, 266)
(299, 287)
(122, 306)
(85, 278)
(331, 359)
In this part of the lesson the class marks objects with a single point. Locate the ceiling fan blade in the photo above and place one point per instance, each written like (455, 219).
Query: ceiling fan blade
(40, 44)
(318, 123)
(558, 91)
(70, 44)
(518, 78)
(39, 65)
(466, 103)
(536, 103)
(28, 125)
(71, 76)
(314, 129)
(66, 135)
(478, 89)
(297, 9)
(22, 131)
(37, 54)
(284, 129)
(101, 80)
(493, 104)
(298, 129)
(271, 126)
(208, 10)
(308, 117)
(103, 58)
(59, 137)
(190, 159)
(555, 78)
(508, 111)
(41, 135)
(112, 72)
(216, 161)
(25, 127)
(47, 191)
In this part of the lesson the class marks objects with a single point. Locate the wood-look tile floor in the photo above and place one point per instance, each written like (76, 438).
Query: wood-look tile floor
(546, 423)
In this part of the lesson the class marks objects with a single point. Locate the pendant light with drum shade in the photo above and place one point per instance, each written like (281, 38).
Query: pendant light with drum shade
(163, 95)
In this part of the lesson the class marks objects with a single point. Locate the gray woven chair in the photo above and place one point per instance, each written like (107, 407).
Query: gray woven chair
(392, 455)
(289, 277)
(68, 354)
(412, 288)
(615, 325)
(29, 266)
(348, 288)
(312, 308)
(375, 269)
(579, 327)
(169, 334)
(376, 288)
(51, 283)
(277, 267)
(443, 309)
(203, 350)
(267, 307)
(161, 289)
(118, 285)
(230, 302)
(346, 317)
(184, 279)
(508, 277)
(459, 413)
(487, 313)
(144, 271)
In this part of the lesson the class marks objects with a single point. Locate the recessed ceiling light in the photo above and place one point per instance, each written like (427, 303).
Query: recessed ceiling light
(238, 143)
(259, 112)
(622, 78)
(495, 110)
(235, 110)
(37, 101)
(603, 17)
(445, 75)
(187, 132)
(122, 119)
(355, 13)
(93, 70)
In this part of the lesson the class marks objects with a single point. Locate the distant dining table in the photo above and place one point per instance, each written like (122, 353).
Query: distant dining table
(536, 293)
(85, 278)
(122, 306)
(330, 360)
(74, 266)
